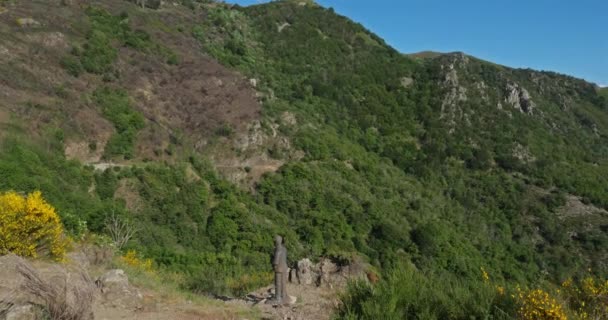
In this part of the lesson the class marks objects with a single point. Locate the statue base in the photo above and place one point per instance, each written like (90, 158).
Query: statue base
(286, 302)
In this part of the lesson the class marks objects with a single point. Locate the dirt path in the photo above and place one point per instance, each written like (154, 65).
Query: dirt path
(312, 303)
(121, 301)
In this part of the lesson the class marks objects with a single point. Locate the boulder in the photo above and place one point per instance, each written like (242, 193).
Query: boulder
(116, 291)
(305, 273)
(115, 278)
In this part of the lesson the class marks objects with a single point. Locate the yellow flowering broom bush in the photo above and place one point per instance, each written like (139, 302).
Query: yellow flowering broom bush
(588, 298)
(132, 259)
(29, 226)
(538, 304)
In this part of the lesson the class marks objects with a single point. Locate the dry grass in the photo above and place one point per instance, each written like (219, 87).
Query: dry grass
(60, 300)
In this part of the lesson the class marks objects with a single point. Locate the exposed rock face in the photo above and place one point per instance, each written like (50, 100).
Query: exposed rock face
(519, 98)
(283, 26)
(451, 108)
(523, 153)
(406, 82)
(289, 118)
(326, 273)
(304, 272)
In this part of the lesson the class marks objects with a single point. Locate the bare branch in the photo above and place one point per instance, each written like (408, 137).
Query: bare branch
(121, 230)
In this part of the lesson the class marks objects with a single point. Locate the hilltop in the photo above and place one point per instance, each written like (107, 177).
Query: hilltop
(214, 127)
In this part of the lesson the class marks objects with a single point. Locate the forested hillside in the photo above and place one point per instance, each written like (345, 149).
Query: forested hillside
(215, 127)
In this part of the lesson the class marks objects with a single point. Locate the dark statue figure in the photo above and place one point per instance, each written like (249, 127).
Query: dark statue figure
(279, 263)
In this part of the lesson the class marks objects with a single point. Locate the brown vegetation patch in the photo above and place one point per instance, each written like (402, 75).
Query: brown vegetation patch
(191, 101)
(127, 191)
(198, 96)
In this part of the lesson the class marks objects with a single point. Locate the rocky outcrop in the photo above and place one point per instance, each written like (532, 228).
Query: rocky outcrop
(451, 107)
(406, 82)
(523, 153)
(304, 272)
(326, 273)
(283, 26)
(519, 98)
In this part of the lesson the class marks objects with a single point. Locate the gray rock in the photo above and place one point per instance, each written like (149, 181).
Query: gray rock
(283, 26)
(305, 274)
(327, 270)
(114, 278)
(116, 291)
(519, 98)
(289, 118)
(406, 82)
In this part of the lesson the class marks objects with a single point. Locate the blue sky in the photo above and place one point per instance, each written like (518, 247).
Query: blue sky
(565, 36)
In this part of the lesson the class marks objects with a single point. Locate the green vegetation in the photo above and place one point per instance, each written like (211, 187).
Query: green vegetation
(376, 144)
(185, 225)
(603, 92)
(409, 294)
(428, 189)
(99, 51)
(116, 107)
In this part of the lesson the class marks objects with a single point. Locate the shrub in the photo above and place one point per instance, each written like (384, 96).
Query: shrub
(29, 226)
(116, 107)
(407, 293)
(588, 298)
(72, 65)
(132, 259)
(98, 54)
(538, 304)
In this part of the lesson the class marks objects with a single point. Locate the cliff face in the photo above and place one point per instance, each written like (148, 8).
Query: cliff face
(222, 125)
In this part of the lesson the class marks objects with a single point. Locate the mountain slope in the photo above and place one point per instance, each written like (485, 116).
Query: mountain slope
(224, 125)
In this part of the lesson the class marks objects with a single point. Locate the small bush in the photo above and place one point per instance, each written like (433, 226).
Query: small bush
(98, 55)
(407, 293)
(173, 59)
(29, 226)
(132, 259)
(224, 130)
(72, 66)
(588, 298)
(538, 304)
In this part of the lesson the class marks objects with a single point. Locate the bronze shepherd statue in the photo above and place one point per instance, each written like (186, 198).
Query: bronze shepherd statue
(279, 263)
